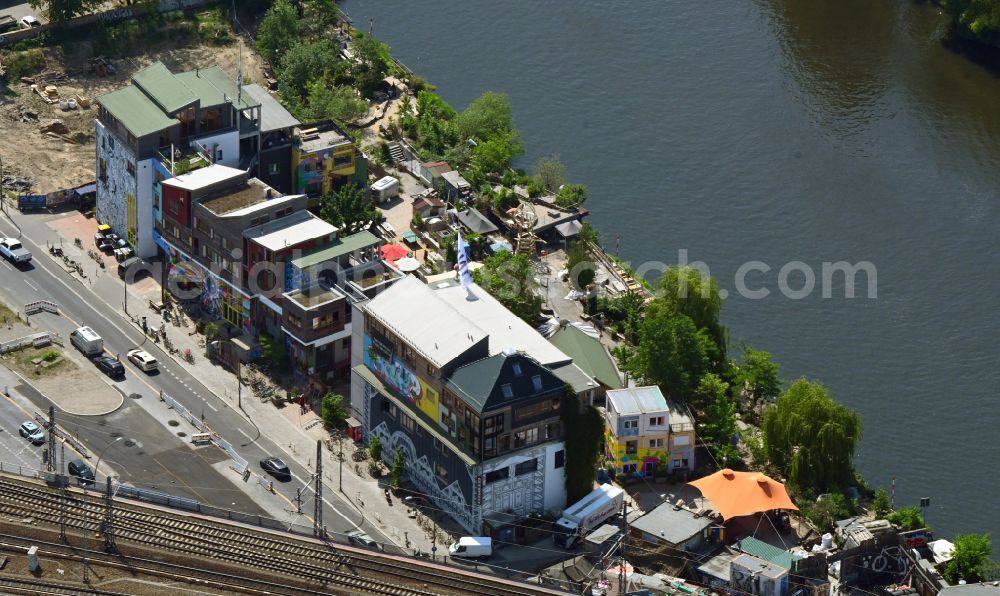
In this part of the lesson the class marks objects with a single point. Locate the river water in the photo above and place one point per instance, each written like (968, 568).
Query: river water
(779, 131)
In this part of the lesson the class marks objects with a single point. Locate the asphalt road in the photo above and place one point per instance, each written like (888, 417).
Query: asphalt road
(173, 469)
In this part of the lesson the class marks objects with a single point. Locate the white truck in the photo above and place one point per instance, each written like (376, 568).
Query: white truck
(11, 248)
(588, 513)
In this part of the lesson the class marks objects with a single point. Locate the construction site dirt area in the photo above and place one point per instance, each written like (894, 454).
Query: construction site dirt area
(47, 119)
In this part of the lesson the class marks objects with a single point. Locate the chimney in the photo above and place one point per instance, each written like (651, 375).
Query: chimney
(269, 194)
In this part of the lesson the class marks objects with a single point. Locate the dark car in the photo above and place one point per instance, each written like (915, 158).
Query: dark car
(82, 472)
(277, 468)
(110, 366)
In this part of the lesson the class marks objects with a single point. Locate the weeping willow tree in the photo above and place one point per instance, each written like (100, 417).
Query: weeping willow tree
(810, 438)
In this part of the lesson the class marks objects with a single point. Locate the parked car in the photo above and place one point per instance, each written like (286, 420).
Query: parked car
(359, 538)
(31, 431)
(143, 359)
(277, 468)
(29, 22)
(82, 472)
(110, 366)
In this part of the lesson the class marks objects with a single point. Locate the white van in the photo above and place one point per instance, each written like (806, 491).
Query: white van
(472, 547)
(87, 341)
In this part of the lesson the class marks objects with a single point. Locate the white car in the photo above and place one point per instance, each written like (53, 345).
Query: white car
(29, 22)
(143, 359)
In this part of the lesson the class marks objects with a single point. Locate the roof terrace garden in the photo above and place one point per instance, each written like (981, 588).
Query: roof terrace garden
(313, 297)
(253, 193)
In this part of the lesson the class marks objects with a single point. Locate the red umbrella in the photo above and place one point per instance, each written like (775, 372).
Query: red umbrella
(394, 252)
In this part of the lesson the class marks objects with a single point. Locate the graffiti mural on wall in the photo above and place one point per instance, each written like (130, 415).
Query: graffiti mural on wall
(380, 360)
(889, 564)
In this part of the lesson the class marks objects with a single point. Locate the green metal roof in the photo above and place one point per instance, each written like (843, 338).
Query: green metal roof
(137, 113)
(213, 86)
(482, 382)
(161, 85)
(762, 550)
(589, 354)
(336, 249)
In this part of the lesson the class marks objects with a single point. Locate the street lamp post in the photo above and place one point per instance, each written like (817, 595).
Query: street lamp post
(101, 456)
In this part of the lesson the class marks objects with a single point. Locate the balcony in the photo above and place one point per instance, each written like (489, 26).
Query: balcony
(314, 315)
(184, 160)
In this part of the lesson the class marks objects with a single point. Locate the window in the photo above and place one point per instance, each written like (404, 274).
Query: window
(441, 446)
(655, 443)
(505, 444)
(104, 170)
(536, 382)
(630, 424)
(493, 424)
(323, 321)
(630, 468)
(408, 423)
(526, 467)
(130, 167)
(432, 371)
(497, 475)
(551, 430)
(295, 321)
(225, 243)
(508, 391)
(345, 343)
(517, 369)
(560, 459)
(489, 444)
(440, 471)
(273, 169)
(340, 161)
(534, 410)
(408, 354)
(525, 437)
(218, 155)
(656, 421)
(631, 447)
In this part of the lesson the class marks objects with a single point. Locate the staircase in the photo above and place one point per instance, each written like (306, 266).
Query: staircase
(396, 152)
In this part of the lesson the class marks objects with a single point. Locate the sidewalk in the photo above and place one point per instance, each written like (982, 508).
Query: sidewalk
(289, 427)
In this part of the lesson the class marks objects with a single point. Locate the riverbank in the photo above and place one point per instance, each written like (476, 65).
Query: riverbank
(760, 135)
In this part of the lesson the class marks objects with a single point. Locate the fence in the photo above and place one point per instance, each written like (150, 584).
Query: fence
(40, 305)
(153, 496)
(239, 464)
(20, 470)
(35, 339)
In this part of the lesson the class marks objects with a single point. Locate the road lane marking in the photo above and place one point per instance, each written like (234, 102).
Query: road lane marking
(31, 285)
(213, 408)
(240, 430)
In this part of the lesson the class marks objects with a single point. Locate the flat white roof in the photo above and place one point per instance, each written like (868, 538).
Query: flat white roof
(505, 329)
(418, 315)
(637, 400)
(203, 177)
(289, 230)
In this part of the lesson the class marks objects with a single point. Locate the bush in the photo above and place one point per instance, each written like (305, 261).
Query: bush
(880, 504)
(906, 518)
(827, 510)
(22, 64)
(375, 449)
(50, 355)
(214, 28)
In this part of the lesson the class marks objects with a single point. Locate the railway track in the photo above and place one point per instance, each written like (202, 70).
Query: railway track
(14, 585)
(315, 564)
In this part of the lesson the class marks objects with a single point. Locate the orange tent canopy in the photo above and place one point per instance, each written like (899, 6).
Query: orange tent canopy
(734, 494)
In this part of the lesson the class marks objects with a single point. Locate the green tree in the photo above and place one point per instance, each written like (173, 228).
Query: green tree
(810, 438)
(881, 505)
(60, 11)
(431, 105)
(349, 208)
(334, 411)
(371, 64)
(510, 279)
(670, 352)
(580, 266)
(319, 16)
(550, 173)
(718, 426)
(398, 467)
(274, 351)
(972, 552)
(827, 510)
(495, 154)
(976, 19)
(571, 195)
(278, 32)
(584, 437)
(375, 449)
(756, 376)
(340, 103)
(489, 116)
(686, 291)
(305, 62)
(907, 518)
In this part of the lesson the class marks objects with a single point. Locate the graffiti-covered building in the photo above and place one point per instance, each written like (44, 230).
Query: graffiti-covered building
(471, 395)
(325, 158)
(160, 125)
(261, 262)
(646, 434)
